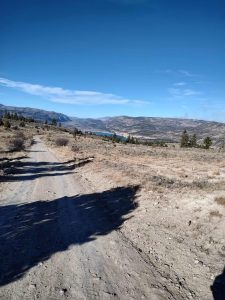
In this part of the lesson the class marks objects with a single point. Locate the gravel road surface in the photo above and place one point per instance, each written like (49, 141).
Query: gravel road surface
(60, 240)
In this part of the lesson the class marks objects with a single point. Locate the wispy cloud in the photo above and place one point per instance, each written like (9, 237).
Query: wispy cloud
(165, 71)
(186, 73)
(179, 83)
(181, 92)
(58, 94)
(176, 72)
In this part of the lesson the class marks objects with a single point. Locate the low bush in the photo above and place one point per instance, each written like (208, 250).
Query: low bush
(20, 135)
(7, 124)
(74, 148)
(16, 144)
(61, 141)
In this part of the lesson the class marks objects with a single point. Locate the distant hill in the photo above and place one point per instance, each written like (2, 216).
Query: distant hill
(168, 129)
(37, 114)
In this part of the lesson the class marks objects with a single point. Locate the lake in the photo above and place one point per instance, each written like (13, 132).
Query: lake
(109, 134)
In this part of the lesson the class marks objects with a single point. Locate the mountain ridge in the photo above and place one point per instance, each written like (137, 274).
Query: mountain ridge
(155, 128)
(35, 113)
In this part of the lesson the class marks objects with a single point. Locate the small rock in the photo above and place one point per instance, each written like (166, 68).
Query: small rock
(63, 291)
(196, 261)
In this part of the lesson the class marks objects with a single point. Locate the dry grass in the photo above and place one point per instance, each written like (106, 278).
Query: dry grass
(220, 200)
(215, 213)
(175, 202)
(158, 168)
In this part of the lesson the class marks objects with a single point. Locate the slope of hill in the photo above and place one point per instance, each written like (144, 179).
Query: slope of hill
(37, 114)
(168, 129)
(87, 124)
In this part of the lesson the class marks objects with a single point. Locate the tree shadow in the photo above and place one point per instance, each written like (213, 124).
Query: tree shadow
(29, 170)
(34, 150)
(10, 178)
(13, 158)
(32, 232)
(218, 287)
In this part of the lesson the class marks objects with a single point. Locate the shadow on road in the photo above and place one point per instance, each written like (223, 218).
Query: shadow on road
(32, 232)
(29, 170)
(12, 159)
(218, 287)
(9, 178)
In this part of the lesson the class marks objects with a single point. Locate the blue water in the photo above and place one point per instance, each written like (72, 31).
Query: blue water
(109, 134)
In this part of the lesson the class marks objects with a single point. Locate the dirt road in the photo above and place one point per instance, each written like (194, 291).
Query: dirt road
(58, 240)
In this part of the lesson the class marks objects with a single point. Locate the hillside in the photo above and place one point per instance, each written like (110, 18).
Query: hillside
(72, 204)
(168, 129)
(37, 114)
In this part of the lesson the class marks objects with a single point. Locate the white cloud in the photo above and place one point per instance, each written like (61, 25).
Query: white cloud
(190, 92)
(175, 72)
(58, 94)
(179, 83)
(166, 71)
(174, 92)
(186, 73)
(181, 92)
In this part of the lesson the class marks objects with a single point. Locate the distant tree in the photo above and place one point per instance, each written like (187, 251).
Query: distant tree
(193, 141)
(22, 118)
(15, 116)
(54, 122)
(128, 139)
(115, 138)
(7, 115)
(184, 142)
(7, 124)
(46, 122)
(1, 122)
(60, 124)
(75, 132)
(131, 140)
(207, 142)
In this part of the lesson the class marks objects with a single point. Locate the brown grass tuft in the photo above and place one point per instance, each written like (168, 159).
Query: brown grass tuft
(215, 213)
(220, 200)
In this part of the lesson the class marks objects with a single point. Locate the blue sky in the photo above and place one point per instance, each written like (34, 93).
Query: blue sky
(114, 57)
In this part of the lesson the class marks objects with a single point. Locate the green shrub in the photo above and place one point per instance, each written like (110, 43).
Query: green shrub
(184, 142)
(207, 142)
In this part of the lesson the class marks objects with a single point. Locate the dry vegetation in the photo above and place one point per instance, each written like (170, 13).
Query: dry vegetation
(220, 200)
(13, 144)
(179, 223)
